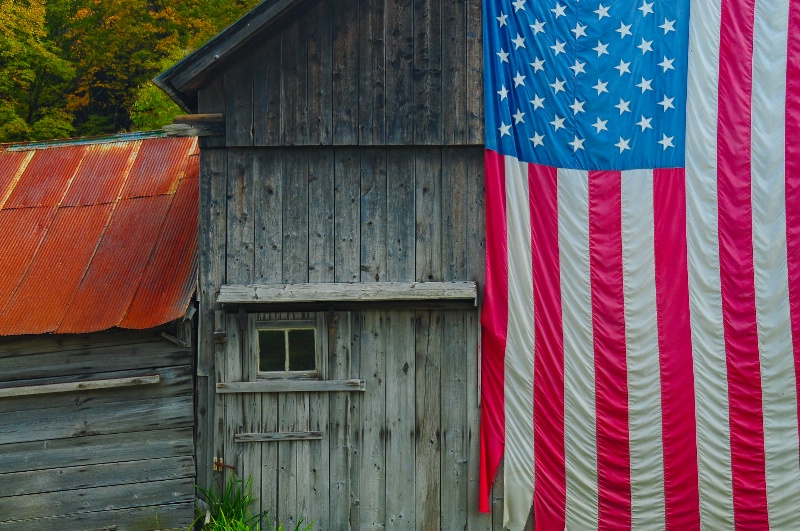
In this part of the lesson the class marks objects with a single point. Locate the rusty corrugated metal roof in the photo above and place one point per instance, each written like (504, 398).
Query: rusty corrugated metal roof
(97, 234)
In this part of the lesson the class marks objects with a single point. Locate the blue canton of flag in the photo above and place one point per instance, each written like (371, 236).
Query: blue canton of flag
(585, 84)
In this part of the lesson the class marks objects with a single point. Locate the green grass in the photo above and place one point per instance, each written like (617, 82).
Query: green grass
(229, 510)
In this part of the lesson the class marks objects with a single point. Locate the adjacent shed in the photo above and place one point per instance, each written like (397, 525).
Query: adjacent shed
(342, 252)
(98, 254)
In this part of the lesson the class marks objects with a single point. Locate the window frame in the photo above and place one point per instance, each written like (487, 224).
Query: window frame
(285, 325)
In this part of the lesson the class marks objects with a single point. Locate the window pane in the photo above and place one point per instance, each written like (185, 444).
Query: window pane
(271, 350)
(302, 350)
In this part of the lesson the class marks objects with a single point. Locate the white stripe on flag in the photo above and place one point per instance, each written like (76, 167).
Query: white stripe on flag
(770, 256)
(641, 334)
(705, 298)
(519, 461)
(580, 431)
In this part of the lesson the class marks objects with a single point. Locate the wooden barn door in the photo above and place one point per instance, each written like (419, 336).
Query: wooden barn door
(287, 437)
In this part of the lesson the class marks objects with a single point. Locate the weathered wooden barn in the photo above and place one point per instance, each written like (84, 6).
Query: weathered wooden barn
(341, 259)
(97, 271)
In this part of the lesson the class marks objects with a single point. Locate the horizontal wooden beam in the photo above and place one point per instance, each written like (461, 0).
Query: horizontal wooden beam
(196, 125)
(366, 292)
(86, 385)
(292, 386)
(278, 436)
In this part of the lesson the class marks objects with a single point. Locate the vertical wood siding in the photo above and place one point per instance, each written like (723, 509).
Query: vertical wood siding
(353, 153)
(361, 72)
(404, 453)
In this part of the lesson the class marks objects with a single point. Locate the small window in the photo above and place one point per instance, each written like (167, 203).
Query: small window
(287, 348)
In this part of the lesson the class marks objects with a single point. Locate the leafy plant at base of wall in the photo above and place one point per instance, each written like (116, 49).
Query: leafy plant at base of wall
(229, 510)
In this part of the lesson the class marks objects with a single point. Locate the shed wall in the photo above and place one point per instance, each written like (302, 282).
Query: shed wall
(91, 459)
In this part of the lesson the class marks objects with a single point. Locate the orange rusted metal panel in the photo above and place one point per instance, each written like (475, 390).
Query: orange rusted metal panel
(161, 162)
(174, 260)
(97, 233)
(102, 173)
(21, 232)
(11, 162)
(46, 177)
(56, 271)
(105, 294)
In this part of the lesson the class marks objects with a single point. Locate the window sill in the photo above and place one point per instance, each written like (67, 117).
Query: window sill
(293, 386)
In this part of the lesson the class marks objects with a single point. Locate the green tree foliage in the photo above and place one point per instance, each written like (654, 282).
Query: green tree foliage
(83, 66)
(33, 75)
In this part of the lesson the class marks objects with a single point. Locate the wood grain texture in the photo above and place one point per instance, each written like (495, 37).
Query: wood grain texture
(319, 27)
(400, 227)
(372, 444)
(427, 72)
(454, 71)
(474, 82)
(355, 424)
(240, 253)
(171, 516)
(267, 90)
(211, 100)
(251, 405)
(400, 422)
(96, 417)
(428, 366)
(86, 385)
(321, 237)
(454, 215)
(96, 449)
(339, 452)
(239, 103)
(269, 196)
(428, 211)
(233, 454)
(347, 292)
(373, 215)
(371, 73)
(454, 456)
(97, 475)
(319, 461)
(399, 72)
(174, 381)
(345, 72)
(295, 217)
(92, 360)
(294, 77)
(293, 386)
(106, 498)
(347, 215)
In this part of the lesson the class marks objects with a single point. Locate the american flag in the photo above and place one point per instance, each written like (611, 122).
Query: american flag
(641, 320)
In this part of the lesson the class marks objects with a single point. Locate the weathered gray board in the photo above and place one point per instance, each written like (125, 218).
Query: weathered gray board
(92, 458)
(401, 454)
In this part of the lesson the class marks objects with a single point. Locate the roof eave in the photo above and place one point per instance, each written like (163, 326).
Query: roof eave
(182, 81)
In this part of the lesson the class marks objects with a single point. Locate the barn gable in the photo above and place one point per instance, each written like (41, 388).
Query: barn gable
(341, 72)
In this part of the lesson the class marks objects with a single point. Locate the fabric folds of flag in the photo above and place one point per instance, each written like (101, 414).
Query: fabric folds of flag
(641, 319)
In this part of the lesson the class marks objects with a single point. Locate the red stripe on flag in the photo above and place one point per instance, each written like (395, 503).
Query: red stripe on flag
(550, 491)
(679, 434)
(736, 264)
(608, 326)
(494, 321)
(793, 179)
